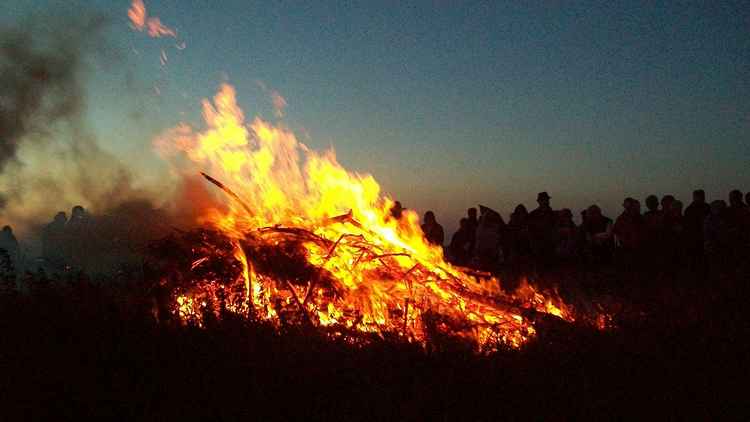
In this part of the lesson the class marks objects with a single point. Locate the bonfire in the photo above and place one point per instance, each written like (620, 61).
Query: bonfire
(311, 243)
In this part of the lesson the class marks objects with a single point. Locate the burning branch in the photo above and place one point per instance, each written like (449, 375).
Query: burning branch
(228, 192)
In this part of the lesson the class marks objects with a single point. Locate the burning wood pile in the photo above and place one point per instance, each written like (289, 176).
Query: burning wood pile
(303, 241)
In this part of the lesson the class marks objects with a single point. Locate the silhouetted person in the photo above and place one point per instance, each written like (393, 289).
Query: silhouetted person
(597, 231)
(460, 247)
(53, 239)
(9, 243)
(76, 237)
(654, 225)
(488, 238)
(666, 202)
(629, 231)
(566, 234)
(543, 229)
(737, 220)
(397, 210)
(674, 235)
(519, 238)
(433, 232)
(747, 198)
(716, 233)
(695, 216)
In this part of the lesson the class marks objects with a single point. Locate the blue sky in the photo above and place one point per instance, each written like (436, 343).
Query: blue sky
(450, 104)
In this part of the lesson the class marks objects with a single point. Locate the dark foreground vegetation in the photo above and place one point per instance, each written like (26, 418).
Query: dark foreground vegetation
(75, 349)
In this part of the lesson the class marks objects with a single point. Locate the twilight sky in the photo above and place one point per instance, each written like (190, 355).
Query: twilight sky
(450, 104)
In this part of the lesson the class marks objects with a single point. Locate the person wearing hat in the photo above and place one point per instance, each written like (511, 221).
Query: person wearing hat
(543, 230)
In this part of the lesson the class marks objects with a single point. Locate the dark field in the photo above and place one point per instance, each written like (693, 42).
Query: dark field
(90, 350)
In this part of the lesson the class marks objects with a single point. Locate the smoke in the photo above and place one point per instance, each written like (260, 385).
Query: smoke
(49, 158)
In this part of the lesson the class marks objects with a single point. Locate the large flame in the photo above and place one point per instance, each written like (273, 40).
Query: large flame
(385, 276)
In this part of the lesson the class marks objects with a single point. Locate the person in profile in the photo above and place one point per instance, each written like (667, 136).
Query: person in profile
(432, 230)
(543, 230)
(9, 243)
(461, 242)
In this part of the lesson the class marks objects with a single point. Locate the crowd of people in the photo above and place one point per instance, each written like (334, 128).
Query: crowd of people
(701, 236)
(665, 236)
(86, 242)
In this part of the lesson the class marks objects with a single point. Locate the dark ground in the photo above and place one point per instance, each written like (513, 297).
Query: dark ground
(91, 352)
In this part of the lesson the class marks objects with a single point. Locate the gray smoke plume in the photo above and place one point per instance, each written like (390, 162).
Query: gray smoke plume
(49, 158)
(39, 79)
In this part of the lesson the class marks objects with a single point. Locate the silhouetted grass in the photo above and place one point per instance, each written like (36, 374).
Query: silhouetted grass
(76, 351)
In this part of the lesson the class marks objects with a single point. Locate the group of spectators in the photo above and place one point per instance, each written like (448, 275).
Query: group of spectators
(87, 242)
(664, 236)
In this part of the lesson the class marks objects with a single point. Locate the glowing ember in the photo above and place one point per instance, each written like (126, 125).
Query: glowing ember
(142, 22)
(317, 244)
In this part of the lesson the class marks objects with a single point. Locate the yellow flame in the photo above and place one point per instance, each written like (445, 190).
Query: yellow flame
(287, 184)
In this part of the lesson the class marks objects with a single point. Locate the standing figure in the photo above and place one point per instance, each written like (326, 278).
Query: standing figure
(695, 215)
(488, 236)
(597, 231)
(543, 230)
(53, 240)
(9, 244)
(433, 232)
(629, 231)
(460, 246)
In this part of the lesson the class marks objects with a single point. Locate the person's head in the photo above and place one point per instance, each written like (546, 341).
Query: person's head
(666, 202)
(652, 203)
(627, 204)
(520, 210)
(396, 209)
(429, 217)
(735, 198)
(61, 217)
(676, 208)
(717, 207)
(472, 213)
(593, 212)
(543, 199)
(463, 223)
(7, 230)
(699, 196)
(77, 212)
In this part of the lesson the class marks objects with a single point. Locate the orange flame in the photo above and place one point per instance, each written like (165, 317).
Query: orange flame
(142, 22)
(386, 276)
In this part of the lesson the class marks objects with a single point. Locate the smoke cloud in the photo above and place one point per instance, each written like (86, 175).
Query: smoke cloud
(49, 158)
